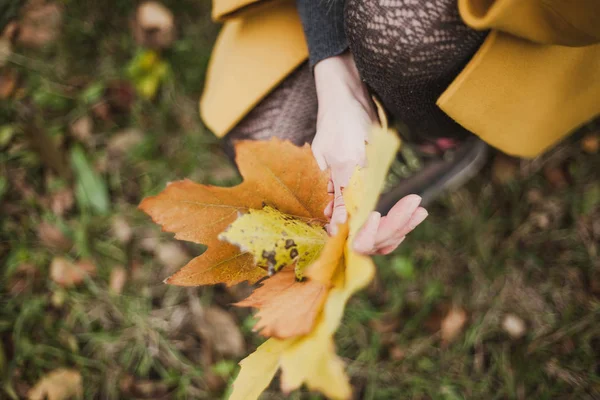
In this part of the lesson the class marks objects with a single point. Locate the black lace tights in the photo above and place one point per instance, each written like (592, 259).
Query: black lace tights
(407, 52)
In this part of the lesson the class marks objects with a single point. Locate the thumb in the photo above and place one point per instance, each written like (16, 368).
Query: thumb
(339, 214)
(340, 177)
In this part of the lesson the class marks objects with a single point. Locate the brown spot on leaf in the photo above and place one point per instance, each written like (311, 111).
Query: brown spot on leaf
(289, 243)
(270, 257)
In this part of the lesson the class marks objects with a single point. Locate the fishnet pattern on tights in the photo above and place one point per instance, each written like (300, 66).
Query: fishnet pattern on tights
(408, 52)
(289, 112)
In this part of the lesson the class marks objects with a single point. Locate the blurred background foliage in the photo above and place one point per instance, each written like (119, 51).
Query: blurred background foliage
(496, 296)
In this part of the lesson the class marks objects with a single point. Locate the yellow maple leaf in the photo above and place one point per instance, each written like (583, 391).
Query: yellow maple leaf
(289, 307)
(276, 240)
(311, 359)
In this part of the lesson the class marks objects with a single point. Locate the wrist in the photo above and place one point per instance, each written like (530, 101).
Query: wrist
(338, 79)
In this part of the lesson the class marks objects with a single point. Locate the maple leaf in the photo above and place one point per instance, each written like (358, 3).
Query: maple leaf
(289, 307)
(292, 184)
(311, 359)
(276, 240)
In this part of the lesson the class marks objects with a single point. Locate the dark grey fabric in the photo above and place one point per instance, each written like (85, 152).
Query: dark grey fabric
(323, 22)
(408, 52)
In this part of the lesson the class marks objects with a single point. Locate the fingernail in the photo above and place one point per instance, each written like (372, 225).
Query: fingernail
(415, 200)
(418, 217)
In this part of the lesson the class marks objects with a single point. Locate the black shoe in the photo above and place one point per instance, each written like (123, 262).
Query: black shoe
(419, 170)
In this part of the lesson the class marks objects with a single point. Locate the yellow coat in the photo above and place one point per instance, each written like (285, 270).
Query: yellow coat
(534, 80)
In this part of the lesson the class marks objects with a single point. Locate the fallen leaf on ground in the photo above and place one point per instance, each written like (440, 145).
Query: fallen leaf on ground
(121, 229)
(149, 389)
(171, 255)
(295, 186)
(120, 96)
(62, 201)
(24, 276)
(591, 143)
(8, 82)
(504, 169)
(556, 176)
(10, 31)
(40, 25)
(67, 274)
(220, 330)
(121, 142)
(118, 277)
(514, 326)
(397, 353)
(53, 238)
(147, 70)
(154, 25)
(452, 324)
(82, 129)
(60, 384)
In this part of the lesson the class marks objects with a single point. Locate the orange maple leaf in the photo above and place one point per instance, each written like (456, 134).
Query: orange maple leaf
(288, 307)
(275, 173)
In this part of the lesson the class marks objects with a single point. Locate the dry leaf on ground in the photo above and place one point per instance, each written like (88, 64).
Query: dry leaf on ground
(40, 25)
(171, 255)
(62, 201)
(591, 143)
(118, 278)
(82, 129)
(504, 169)
(23, 277)
(53, 238)
(221, 331)
(556, 176)
(452, 324)
(60, 384)
(123, 141)
(154, 25)
(514, 326)
(67, 274)
(121, 229)
(294, 186)
(8, 82)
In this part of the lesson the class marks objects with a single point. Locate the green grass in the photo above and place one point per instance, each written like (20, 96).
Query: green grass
(524, 247)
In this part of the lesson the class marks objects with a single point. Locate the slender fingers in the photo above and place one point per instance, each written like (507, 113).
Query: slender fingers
(365, 239)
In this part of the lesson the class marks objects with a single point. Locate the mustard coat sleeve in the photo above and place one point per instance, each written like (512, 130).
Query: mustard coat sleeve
(559, 22)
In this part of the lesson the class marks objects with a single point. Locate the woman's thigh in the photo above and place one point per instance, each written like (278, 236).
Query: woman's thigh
(289, 112)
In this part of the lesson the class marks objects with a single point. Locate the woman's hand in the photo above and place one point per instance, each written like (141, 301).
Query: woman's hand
(345, 117)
